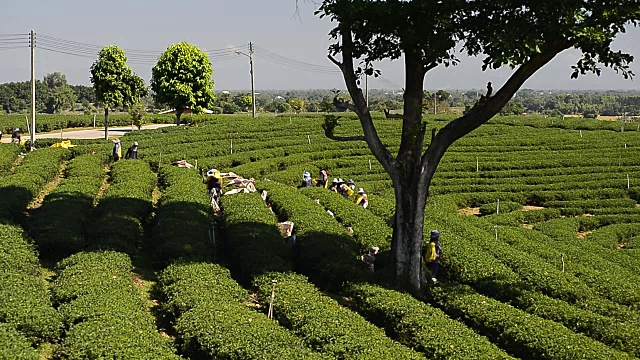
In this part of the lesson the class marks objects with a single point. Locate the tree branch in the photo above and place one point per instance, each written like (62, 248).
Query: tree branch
(345, 105)
(389, 115)
(360, 105)
(485, 110)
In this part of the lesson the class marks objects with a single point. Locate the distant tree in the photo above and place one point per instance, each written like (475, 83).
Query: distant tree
(283, 107)
(182, 79)
(512, 108)
(297, 105)
(114, 82)
(243, 101)
(60, 96)
(230, 108)
(137, 112)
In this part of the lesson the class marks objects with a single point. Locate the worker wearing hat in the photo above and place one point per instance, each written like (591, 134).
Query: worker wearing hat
(345, 190)
(334, 185)
(132, 152)
(117, 150)
(431, 255)
(361, 198)
(214, 180)
(15, 136)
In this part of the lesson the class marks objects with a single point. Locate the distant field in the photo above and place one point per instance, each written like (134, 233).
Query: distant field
(552, 273)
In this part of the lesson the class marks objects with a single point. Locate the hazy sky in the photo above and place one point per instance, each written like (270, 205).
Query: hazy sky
(151, 26)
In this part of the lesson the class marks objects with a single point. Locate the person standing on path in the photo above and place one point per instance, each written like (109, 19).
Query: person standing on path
(132, 152)
(117, 150)
(431, 255)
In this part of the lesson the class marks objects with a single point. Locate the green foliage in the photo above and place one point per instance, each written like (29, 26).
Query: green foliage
(418, 325)
(182, 78)
(505, 207)
(181, 226)
(113, 81)
(517, 332)
(137, 112)
(26, 181)
(24, 294)
(8, 155)
(104, 311)
(13, 345)
(297, 105)
(57, 226)
(60, 95)
(327, 254)
(116, 223)
(251, 231)
(369, 230)
(323, 324)
(211, 317)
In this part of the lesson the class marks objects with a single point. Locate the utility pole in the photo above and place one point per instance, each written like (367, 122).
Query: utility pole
(253, 85)
(435, 106)
(33, 89)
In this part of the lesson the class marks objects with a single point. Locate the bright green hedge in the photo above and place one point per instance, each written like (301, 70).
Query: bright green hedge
(251, 232)
(418, 325)
(24, 295)
(326, 251)
(106, 316)
(28, 179)
(57, 226)
(13, 345)
(505, 207)
(181, 226)
(116, 223)
(8, 155)
(211, 317)
(519, 333)
(368, 229)
(323, 324)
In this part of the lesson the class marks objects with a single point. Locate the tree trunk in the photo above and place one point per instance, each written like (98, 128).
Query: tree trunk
(106, 123)
(178, 114)
(406, 247)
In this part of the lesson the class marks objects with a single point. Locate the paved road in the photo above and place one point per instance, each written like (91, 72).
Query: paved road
(88, 134)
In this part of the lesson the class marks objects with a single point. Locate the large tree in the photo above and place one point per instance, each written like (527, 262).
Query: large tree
(114, 82)
(182, 79)
(59, 95)
(524, 35)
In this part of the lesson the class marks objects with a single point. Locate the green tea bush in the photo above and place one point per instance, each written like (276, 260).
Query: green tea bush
(13, 345)
(211, 317)
(327, 254)
(57, 226)
(368, 229)
(418, 325)
(517, 332)
(181, 226)
(104, 311)
(116, 222)
(505, 207)
(251, 232)
(33, 173)
(24, 295)
(323, 324)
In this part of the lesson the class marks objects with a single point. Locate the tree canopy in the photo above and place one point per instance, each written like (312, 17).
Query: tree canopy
(114, 82)
(182, 79)
(524, 35)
